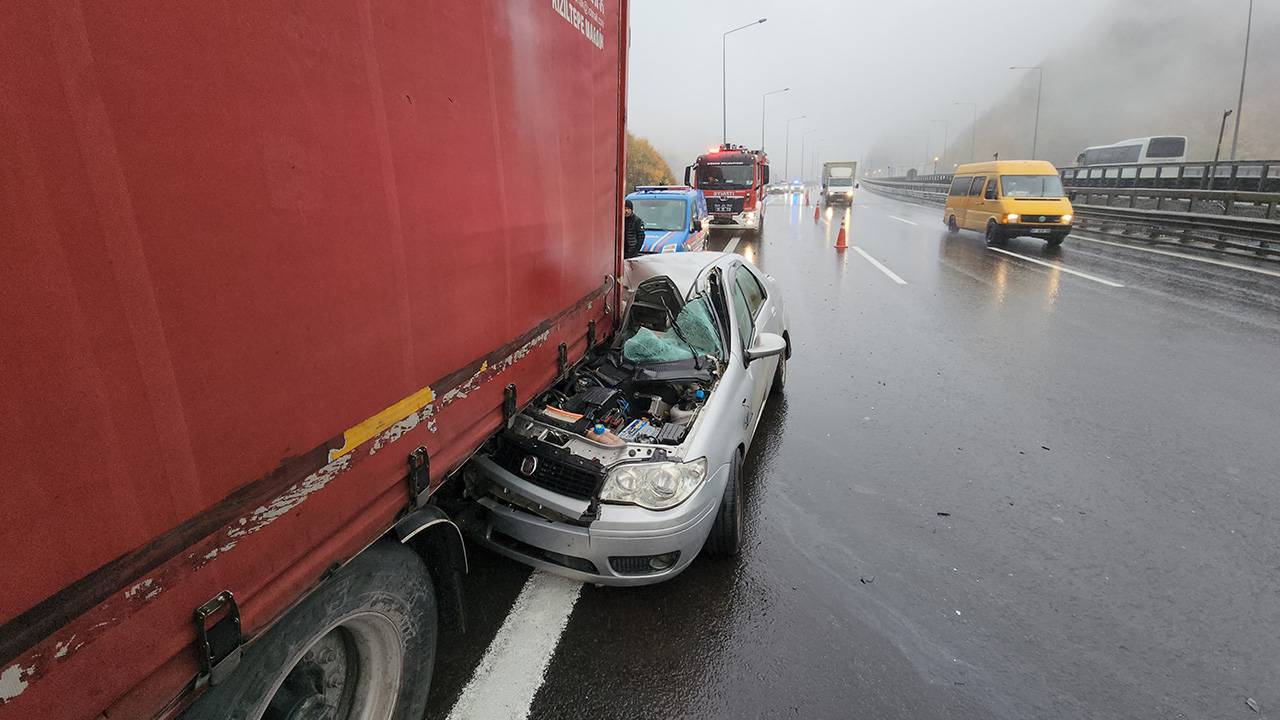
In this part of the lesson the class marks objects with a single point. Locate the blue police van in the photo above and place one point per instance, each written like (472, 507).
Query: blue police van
(675, 217)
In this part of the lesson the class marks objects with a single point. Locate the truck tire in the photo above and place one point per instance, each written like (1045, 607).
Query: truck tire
(361, 645)
(725, 539)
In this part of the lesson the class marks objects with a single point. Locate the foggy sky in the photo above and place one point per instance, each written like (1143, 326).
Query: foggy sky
(869, 73)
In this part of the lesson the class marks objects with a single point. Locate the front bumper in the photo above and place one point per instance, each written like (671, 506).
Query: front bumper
(590, 553)
(1036, 229)
(838, 198)
(739, 221)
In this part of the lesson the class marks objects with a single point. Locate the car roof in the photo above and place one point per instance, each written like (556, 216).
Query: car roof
(1029, 167)
(683, 269)
(660, 191)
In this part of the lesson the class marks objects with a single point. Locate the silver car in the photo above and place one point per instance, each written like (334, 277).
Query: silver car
(632, 463)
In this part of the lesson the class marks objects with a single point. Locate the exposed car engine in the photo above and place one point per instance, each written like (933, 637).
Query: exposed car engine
(610, 403)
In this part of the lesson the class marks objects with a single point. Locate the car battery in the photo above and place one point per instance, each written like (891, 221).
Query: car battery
(638, 431)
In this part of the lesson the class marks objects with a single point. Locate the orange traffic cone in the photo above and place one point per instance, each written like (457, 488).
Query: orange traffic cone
(816, 210)
(841, 241)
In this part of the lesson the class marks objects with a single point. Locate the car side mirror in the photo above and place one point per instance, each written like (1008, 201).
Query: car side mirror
(765, 179)
(697, 225)
(687, 168)
(766, 345)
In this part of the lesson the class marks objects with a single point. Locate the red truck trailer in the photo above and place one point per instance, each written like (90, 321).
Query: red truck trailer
(733, 179)
(272, 271)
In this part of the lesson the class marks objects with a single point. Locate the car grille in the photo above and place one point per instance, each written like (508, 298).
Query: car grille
(1041, 218)
(725, 204)
(551, 474)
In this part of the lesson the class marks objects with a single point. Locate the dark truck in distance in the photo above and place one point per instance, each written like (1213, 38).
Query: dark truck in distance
(258, 304)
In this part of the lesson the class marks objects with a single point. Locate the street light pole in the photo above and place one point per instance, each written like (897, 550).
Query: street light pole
(803, 137)
(1222, 129)
(724, 74)
(1035, 133)
(946, 134)
(973, 129)
(762, 98)
(786, 172)
(1244, 67)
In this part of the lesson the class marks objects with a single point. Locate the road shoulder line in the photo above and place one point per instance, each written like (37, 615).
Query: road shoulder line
(1185, 256)
(1069, 271)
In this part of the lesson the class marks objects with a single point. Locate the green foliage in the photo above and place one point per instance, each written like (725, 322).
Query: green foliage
(644, 165)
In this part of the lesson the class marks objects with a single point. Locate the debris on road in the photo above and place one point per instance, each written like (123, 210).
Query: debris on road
(944, 514)
(1253, 704)
(867, 579)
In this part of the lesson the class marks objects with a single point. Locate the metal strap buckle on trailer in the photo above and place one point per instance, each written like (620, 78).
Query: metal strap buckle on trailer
(218, 645)
(419, 475)
(508, 405)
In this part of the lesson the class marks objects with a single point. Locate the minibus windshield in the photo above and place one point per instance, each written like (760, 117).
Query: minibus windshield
(1031, 186)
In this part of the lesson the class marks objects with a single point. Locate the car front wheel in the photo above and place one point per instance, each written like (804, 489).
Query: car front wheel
(994, 236)
(780, 374)
(725, 539)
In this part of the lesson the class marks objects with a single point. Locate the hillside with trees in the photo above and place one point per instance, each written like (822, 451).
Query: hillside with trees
(644, 165)
(1149, 67)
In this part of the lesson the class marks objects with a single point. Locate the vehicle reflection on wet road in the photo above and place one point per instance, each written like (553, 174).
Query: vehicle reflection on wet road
(1002, 489)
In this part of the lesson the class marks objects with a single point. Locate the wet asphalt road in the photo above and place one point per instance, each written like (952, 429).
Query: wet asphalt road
(999, 490)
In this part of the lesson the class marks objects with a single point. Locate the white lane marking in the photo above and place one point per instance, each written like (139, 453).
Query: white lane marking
(513, 668)
(733, 245)
(1077, 273)
(1170, 253)
(895, 217)
(879, 265)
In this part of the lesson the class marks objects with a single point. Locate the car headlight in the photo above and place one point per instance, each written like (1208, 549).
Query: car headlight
(1012, 217)
(1066, 218)
(655, 486)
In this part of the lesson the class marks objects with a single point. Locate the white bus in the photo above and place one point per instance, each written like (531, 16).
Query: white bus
(1157, 149)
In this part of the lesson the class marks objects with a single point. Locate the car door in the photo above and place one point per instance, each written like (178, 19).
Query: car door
(974, 205)
(987, 204)
(752, 314)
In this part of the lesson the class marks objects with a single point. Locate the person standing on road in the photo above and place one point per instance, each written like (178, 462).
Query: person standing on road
(632, 232)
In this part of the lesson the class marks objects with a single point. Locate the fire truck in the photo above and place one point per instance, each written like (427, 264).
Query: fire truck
(733, 179)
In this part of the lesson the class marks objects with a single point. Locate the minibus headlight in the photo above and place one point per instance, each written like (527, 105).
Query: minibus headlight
(1012, 217)
(1066, 218)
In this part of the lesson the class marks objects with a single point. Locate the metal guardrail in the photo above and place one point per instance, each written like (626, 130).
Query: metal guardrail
(1241, 175)
(1207, 219)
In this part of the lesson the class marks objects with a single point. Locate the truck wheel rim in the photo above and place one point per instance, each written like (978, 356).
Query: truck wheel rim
(349, 672)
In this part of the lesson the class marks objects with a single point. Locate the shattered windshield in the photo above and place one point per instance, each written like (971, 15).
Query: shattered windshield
(694, 331)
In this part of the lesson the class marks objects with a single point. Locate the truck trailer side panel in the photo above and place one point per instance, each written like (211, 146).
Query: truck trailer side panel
(255, 254)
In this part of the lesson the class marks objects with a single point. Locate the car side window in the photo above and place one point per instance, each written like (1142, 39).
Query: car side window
(743, 314)
(991, 189)
(976, 188)
(751, 290)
